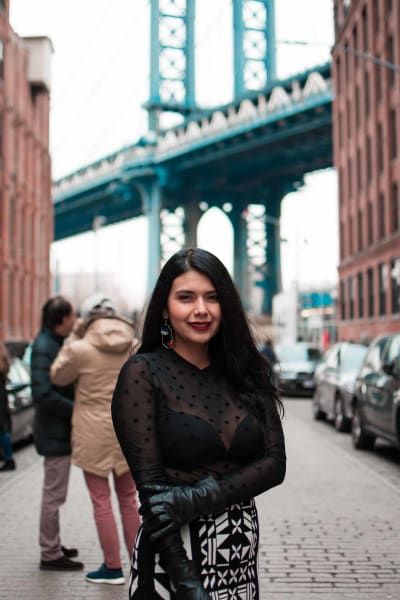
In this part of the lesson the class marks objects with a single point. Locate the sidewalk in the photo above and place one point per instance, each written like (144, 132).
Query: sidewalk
(19, 552)
(330, 532)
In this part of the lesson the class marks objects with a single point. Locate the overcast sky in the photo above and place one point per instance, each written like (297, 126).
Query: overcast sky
(100, 78)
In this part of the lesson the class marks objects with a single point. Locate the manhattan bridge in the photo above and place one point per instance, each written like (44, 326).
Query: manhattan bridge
(242, 157)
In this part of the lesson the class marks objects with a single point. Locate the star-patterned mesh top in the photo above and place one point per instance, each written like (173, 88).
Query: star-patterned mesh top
(177, 423)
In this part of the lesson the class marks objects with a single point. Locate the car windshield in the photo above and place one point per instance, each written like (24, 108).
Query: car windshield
(298, 353)
(353, 357)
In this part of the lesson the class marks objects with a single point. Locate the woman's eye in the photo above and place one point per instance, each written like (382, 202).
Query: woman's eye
(212, 298)
(184, 297)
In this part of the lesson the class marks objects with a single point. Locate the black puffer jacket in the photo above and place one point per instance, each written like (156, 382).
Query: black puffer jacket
(5, 421)
(53, 404)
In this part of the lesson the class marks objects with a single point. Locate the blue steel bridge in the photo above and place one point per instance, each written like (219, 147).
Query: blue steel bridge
(242, 157)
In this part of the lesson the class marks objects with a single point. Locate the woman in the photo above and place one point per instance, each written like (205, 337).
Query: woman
(196, 415)
(5, 417)
(93, 363)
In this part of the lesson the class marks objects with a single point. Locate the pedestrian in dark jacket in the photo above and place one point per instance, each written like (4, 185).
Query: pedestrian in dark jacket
(52, 431)
(5, 419)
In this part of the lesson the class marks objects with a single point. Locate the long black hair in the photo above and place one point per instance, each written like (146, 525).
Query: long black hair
(232, 350)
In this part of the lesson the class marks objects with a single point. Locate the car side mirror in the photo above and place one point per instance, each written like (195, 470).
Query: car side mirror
(388, 367)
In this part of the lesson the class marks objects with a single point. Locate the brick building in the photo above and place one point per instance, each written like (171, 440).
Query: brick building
(366, 74)
(26, 211)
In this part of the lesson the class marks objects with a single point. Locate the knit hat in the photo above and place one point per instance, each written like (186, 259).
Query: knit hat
(97, 303)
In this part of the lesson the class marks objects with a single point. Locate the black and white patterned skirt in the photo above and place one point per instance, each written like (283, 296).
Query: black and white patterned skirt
(224, 549)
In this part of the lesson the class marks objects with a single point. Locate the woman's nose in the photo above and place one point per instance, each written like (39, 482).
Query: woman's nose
(200, 306)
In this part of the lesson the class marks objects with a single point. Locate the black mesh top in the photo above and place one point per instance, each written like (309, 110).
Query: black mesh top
(178, 424)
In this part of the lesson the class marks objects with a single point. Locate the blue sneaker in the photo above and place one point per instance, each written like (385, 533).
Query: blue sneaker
(106, 575)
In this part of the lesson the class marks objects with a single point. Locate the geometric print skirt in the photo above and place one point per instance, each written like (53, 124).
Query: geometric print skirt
(224, 548)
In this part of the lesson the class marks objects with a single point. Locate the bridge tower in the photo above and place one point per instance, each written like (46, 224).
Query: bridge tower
(172, 89)
(172, 59)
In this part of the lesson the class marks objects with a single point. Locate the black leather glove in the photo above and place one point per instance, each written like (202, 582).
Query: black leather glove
(166, 508)
(181, 570)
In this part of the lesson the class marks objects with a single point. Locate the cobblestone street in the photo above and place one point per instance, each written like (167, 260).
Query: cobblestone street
(331, 531)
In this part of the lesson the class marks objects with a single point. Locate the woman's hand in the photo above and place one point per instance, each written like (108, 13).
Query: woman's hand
(166, 508)
(181, 571)
(192, 594)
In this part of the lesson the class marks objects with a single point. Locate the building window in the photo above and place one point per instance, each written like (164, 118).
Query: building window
(351, 246)
(365, 29)
(381, 213)
(391, 59)
(358, 107)
(378, 83)
(342, 301)
(389, 6)
(11, 305)
(395, 207)
(370, 291)
(1, 60)
(350, 174)
(355, 46)
(370, 223)
(369, 159)
(382, 270)
(366, 92)
(360, 287)
(393, 133)
(351, 298)
(341, 241)
(338, 75)
(377, 16)
(380, 147)
(360, 229)
(395, 276)
(359, 170)
(349, 113)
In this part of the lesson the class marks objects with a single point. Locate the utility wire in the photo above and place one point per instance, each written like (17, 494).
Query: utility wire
(84, 53)
(95, 87)
(368, 57)
(213, 25)
(364, 55)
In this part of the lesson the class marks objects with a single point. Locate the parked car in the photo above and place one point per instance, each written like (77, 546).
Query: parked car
(376, 403)
(20, 401)
(335, 379)
(296, 367)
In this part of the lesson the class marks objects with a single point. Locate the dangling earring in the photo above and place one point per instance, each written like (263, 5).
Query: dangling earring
(167, 337)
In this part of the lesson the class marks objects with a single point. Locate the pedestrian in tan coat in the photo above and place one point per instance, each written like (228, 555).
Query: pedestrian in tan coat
(93, 362)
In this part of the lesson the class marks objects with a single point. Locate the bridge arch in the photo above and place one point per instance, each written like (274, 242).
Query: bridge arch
(215, 234)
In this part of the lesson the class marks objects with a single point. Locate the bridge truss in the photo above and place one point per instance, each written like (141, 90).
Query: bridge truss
(242, 157)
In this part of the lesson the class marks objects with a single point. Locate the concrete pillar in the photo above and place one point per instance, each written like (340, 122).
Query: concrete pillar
(152, 205)
(193, 215)
(240, 265)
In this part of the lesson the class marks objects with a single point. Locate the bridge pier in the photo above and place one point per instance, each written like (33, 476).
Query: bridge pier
(272, 274)
(151, 192)
(193, 215)
(240, 259)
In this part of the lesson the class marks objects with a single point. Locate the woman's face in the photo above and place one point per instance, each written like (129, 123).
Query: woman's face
(193, 310)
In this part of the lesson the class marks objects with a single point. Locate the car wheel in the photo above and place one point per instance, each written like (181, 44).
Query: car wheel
(362, 440)
(317, 413)
(341, 422)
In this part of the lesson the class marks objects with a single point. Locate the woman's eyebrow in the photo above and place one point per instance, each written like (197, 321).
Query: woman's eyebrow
(184, 291)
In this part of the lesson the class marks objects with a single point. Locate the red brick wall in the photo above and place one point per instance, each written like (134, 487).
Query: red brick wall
(26, 210)
(368, 168)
